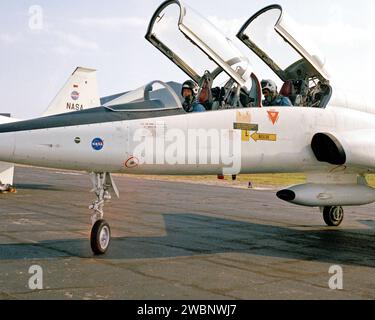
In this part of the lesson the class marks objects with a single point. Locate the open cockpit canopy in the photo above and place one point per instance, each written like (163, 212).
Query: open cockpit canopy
(278, 41)
(194, 44)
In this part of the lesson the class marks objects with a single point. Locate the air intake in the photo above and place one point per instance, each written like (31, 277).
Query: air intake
(328, 149)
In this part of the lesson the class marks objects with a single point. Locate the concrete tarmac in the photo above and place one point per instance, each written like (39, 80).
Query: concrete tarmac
(177, 241)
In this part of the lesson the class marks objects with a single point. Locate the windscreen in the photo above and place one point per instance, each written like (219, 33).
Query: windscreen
(157, 93)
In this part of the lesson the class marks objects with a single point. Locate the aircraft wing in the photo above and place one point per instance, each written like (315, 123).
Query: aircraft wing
(6, 173)
(6, 169)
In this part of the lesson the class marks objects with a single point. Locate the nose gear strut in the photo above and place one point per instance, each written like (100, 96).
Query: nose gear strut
(100, 232)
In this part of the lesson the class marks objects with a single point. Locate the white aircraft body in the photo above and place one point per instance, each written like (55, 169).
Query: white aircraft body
(82, 80)
(147, 131)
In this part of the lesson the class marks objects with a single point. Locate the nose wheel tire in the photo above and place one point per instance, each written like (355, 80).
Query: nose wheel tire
(333, 216)
(100, 237)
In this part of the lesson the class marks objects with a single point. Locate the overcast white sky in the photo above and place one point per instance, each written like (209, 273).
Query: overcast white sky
(109, 36)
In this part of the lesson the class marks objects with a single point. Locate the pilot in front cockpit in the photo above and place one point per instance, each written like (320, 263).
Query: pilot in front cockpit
(271, 97)
(189, 92)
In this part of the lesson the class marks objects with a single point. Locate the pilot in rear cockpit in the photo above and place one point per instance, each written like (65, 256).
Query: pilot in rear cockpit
(271, 97)
(189, 92)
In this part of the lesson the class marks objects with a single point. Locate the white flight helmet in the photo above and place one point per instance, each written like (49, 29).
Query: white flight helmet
(189, 84)
(269, 85)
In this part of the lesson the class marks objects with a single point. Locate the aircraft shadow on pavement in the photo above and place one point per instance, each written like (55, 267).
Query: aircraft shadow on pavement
(194, 235)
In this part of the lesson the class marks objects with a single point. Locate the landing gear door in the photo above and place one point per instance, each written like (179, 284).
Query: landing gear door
(277, 40)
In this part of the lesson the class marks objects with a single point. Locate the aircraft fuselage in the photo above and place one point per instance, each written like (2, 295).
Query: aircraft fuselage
(268, 140)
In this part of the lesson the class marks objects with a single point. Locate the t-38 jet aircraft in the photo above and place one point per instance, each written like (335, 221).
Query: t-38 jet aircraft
(147, 131)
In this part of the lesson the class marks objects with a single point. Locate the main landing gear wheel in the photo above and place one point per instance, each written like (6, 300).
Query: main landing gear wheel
(333, 216)
(100, 237)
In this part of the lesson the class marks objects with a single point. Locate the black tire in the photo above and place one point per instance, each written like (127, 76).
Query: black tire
(333, 216)
(100, 237)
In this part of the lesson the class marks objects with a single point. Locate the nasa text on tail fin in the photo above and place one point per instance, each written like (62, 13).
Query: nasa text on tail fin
(79, 93)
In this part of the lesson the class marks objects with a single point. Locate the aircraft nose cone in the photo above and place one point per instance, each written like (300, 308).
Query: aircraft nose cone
(286, 195)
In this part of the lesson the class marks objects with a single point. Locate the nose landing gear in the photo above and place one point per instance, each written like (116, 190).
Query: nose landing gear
(100, 237)
(100, 233)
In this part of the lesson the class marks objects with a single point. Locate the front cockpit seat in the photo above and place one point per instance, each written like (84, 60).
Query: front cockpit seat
(287, 90)
(205, 96)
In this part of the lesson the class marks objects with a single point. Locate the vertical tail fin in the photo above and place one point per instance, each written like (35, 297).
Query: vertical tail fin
(79, 93)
